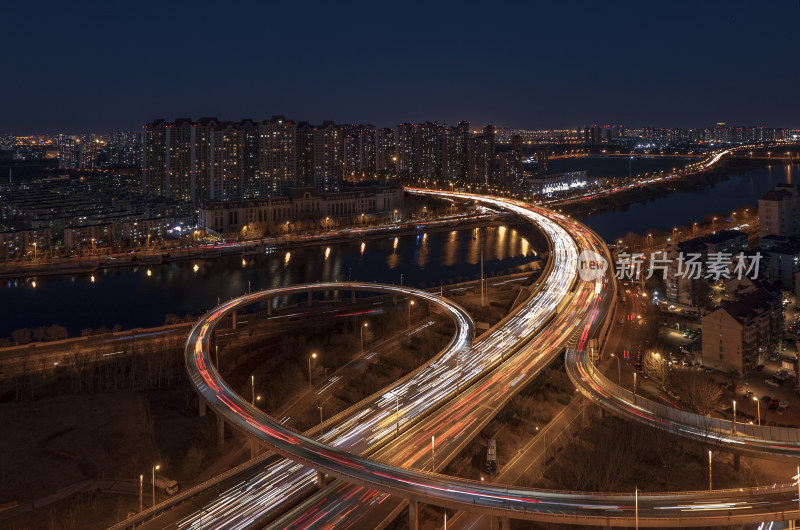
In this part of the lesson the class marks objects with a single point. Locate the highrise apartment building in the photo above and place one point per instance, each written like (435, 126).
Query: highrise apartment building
(328, 144)
(406, 150)
(277, 157)
(426, 150)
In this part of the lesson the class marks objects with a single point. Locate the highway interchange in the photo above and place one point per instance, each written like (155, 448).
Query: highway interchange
(562, 311)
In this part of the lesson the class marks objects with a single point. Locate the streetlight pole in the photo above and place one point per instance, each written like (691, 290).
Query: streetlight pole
(156, 467)
(634, 386)
(619, 370)
(141, 488)
(366, 325)
(458, 373)
(433, 454)
(253, 389)
(320, 421)
(411, 303)
(733, 420)
(758, 406)
(397, 414)
(636, 496)
(313, 356)
(710, 488)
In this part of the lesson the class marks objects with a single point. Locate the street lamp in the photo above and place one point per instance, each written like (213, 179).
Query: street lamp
(758, 406)
(634, 386)
(397, 413)
(733, 420)
(714, 225)
(313, 356)
(253, 389)
(155, 468)
(709, 471)
(320, 421)
(141, 488)
(433, 454)
(411, 303)
(365, 325)
(619, 370)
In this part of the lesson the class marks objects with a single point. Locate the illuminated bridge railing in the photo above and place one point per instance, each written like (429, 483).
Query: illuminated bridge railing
(672, 419)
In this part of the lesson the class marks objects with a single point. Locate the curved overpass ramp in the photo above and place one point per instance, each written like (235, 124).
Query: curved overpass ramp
(674, 509)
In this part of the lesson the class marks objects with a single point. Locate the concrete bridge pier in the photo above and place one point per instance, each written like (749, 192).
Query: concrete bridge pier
(269, 307)
(320, 480)
(309, 298)
(220, 430)
(413, 514)
(253, 447)
(202, 407)
(233, 320)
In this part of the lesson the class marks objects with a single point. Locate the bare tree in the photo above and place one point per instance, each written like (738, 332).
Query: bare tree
(656, 367)
(700, 392)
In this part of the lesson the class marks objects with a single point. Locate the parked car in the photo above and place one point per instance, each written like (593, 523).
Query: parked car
(773, 405)
(772, 382)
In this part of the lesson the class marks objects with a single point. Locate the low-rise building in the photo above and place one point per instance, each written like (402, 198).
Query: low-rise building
(18, 244)
(88, 237)
(783, 262)
(779, 211)
(151, 229)
(678, 284)
(304, 206)
(557, 182)
(738, 336)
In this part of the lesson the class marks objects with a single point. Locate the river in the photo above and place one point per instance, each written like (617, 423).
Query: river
(686, 207)
(132, 298)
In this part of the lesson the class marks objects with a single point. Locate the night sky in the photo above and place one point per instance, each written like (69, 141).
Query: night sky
(93, 67)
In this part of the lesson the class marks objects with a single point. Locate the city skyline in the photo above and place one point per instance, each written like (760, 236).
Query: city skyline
(532, 67)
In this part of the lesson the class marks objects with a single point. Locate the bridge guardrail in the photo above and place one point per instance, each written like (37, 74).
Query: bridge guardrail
(744, 432)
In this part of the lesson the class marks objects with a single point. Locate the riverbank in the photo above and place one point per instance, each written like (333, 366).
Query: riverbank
(78, 265)
(720, 172)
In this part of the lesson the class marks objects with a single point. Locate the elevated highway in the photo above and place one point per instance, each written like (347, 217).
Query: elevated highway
(333, 455)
